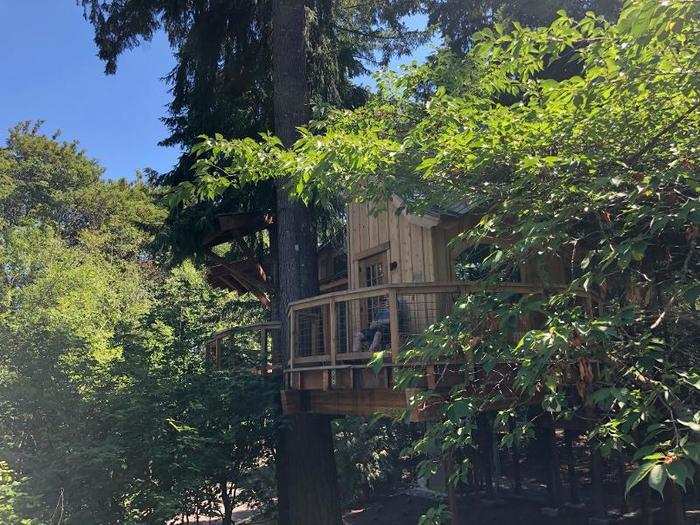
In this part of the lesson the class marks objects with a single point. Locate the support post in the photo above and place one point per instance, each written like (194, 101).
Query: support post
(394, 323)
(263, 352)
(292, 336)
(332, 321)
(571, 465)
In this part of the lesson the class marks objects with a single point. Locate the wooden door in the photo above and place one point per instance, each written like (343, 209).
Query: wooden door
(373, 272)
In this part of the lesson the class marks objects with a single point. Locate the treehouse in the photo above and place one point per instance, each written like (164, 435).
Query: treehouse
(404, 273)
(399, 274)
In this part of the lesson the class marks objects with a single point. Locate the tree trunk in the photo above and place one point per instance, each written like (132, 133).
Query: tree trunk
(306, 465)
(226, 501)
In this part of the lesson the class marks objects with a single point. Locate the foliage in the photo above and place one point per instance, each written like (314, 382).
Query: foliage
(200, 431)
(369, 455)
(47, 181)
(594, 171)
(459, 21)
(108, 411)
(222, 82)
(13, 498)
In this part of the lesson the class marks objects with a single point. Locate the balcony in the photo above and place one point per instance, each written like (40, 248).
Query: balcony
(333, 336)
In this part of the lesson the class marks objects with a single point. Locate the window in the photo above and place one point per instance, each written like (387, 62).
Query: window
(372, 273)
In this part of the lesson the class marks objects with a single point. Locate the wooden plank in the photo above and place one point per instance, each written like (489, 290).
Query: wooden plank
(336, 285)
(322, 358)
(374, 250)
(372, 227)
(364, 227)
(430, 377)
(394, 323)
(372, 380)
(428, 260)
(291, 401)
(418, 274)
(406, 260)
(354, 356)
(350, 235)
(383, 226)
(421, 287)
(394, 245)
(355, 403)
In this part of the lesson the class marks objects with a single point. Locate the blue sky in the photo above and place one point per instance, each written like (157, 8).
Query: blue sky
(50, 72)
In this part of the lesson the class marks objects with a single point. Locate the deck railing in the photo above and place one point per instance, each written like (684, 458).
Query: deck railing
(344, 328)
(224, 346)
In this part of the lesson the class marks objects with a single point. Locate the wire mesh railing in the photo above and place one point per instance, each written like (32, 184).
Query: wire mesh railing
(350, 326)
(249, 345)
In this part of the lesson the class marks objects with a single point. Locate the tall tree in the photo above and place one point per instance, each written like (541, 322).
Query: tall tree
(459, 20)
(306, 464)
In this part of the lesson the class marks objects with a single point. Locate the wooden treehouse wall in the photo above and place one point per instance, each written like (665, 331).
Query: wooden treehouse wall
(409, 246)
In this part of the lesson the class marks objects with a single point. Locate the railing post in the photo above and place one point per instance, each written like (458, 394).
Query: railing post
(394, 323)
(263, 351)
(332, 320)
(292, 337)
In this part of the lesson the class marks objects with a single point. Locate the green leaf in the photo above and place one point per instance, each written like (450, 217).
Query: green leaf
(679, 472)
(657, 478)
(377, 361)
(692, 425)
(637, 476)
(644, 451)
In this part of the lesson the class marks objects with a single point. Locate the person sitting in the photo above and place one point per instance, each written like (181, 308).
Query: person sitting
(378, 329)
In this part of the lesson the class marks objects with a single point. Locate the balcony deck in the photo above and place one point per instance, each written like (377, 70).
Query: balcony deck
(332, 339)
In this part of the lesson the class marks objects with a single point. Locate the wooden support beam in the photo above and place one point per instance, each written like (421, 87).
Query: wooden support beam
(263, 351)
(430, 377)
(333, 321)
(596, 470)
(394, 324)
(257, 289)
(344, 402)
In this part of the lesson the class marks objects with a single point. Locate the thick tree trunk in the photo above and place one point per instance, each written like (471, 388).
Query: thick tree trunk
(306, 465)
